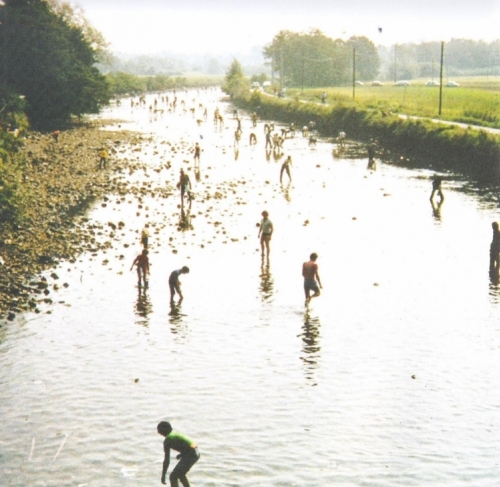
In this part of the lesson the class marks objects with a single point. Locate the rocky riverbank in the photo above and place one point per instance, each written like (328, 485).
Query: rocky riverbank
(58, 180)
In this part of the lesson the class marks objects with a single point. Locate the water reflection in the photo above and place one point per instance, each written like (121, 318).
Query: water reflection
(277, 154)
(176, 320)
(286, 191)
(143, 306)
(310, 345)
(436, 210)
(266, 279)
(494, 287)
(185, 220)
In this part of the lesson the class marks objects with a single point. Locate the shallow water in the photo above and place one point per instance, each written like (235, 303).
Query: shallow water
(273, 394)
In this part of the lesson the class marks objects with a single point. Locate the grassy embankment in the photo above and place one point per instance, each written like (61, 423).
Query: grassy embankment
(476, 101)
(472, 152)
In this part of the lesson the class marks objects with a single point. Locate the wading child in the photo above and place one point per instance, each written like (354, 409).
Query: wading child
(175, 284)
(265, 232)
(188, 454)
(311, 278)
(142, 264)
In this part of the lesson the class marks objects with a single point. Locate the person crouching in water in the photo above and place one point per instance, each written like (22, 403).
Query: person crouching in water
(142, 264)
(188, 454)
(175, 284)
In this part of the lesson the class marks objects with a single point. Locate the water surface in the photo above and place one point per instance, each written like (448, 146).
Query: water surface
(389, 379)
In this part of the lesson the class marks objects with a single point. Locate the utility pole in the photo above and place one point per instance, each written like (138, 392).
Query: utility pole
(441, 79)
(303, 61)
(395, 64)
(272, 70)
(353, 73)
(281, 70)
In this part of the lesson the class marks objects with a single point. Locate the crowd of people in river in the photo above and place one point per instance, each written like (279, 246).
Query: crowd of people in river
(274, 141)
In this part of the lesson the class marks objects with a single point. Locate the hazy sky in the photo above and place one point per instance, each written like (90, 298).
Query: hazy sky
(218, 26)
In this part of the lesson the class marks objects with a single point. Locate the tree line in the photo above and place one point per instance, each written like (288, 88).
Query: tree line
(48, 54)
(462, 57)
(315, 60)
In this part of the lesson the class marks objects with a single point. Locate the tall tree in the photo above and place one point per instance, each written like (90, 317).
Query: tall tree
(49, 61)
(236, 84)
(367, 60)
(313, 59)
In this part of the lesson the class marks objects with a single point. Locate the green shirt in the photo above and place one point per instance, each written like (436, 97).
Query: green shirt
(178, 442)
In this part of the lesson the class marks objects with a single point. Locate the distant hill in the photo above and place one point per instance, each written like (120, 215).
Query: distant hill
(172, 64)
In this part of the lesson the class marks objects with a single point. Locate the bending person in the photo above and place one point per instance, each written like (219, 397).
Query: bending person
(188, 454)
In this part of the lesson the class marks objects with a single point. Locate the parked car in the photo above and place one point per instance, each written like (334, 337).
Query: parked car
(255, 84)
(266, 83)
(452, 84)
(359, 83)
(377, 83)
(432, 83)
(402, 82)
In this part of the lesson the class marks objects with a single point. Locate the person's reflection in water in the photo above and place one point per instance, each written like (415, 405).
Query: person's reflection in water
(176, 320)
(236, 153)
(277, 155)
(197, 174)
(310, 345)
(436, 209)
(185, 220)
(266, 279)
(268, 155)
(286, 191)
(143, 307)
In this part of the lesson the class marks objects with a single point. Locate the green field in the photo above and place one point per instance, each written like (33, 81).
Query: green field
(476, 101)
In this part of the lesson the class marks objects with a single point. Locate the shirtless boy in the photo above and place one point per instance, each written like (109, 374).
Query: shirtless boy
(311, 278)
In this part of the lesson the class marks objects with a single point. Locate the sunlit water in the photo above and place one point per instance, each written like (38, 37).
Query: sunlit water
(390, 379)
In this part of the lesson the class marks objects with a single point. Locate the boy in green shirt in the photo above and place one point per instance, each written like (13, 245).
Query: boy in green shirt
(188, 454)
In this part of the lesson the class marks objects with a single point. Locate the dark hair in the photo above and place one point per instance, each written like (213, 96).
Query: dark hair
(185, 269)
(495, 225)
(265, 213)
(313, 256)
(164, 428)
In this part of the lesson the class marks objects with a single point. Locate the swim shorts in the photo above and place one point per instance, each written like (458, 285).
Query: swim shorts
(311, 285)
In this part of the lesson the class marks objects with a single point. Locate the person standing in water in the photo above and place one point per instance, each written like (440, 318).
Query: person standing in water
(371, 150)
(286, 167)
(184, 185)
(495, 249)
(174, 283)
(188, 454)
(311, 278)
(436, 188)
(197, 153)
(265, 232)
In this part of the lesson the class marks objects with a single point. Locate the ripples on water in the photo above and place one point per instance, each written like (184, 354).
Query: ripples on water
(389, 379)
